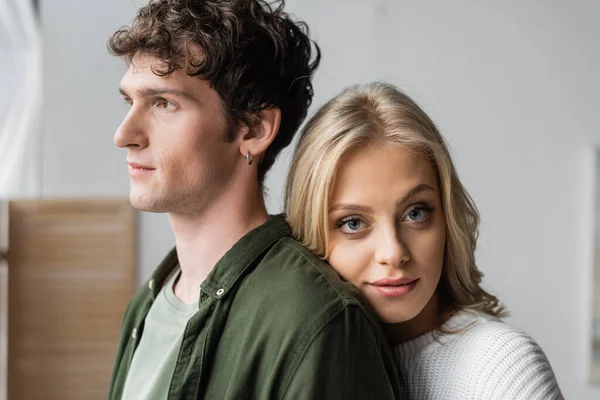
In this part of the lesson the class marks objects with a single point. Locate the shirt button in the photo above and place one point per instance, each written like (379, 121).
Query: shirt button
(220, 292)
(134, 333)
(151, 284)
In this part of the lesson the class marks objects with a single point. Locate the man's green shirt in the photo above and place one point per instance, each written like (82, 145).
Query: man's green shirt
(274, 322)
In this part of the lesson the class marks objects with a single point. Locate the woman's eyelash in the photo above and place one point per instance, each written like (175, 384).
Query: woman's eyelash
(345, 220)
(424, 207)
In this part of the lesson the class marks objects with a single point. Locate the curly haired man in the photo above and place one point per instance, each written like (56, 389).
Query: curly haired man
(238, 309)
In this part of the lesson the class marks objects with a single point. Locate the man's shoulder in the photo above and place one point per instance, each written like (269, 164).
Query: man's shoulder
(291, 277)
(301, 324)
(302, 273)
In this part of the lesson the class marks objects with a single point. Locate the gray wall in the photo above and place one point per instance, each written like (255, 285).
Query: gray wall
(513, 85)
(83, 109)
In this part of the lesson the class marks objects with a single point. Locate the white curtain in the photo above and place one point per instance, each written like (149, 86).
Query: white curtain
(20, 100)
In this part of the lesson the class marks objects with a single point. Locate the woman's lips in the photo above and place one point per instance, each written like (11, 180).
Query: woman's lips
(395, 287)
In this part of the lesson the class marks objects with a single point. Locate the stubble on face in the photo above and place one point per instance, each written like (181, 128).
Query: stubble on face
(176, 125)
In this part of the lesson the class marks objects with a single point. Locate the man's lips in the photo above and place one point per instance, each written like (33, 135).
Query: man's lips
(140, 166)
(137, 170)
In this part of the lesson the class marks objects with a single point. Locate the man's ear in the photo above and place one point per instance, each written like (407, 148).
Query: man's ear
(258, 137)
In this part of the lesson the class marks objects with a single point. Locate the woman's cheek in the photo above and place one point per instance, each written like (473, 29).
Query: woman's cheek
(350, 260)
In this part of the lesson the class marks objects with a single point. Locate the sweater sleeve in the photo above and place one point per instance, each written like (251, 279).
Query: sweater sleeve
(516, 368)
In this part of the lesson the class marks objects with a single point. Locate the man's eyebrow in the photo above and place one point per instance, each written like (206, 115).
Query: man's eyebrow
(146, 91)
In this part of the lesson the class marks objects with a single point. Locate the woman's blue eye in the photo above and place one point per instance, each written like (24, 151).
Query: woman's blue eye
(353, 224)
(419, 214)
(416, 214)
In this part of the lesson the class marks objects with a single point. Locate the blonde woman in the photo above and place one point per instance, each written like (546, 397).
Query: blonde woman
(373, 190)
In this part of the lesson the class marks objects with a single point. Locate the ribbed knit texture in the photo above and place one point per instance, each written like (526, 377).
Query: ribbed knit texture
(487, 360)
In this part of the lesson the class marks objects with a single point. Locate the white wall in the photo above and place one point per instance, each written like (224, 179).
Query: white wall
(513, 85)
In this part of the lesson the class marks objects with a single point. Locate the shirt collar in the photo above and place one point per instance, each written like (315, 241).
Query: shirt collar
(234, 263)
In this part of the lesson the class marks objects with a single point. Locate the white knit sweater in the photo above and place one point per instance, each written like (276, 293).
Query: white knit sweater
(488, 360)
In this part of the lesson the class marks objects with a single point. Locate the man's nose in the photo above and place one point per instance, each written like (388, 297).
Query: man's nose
(131, 132)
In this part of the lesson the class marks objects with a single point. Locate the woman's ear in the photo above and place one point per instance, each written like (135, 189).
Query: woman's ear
(258, 137)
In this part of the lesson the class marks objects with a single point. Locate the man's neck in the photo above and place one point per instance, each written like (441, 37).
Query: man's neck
(203, 239)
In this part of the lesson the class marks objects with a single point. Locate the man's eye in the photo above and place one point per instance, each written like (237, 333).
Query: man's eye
(166, 104)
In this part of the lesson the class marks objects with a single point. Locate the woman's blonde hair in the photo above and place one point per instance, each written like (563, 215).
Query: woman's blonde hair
(360, 116)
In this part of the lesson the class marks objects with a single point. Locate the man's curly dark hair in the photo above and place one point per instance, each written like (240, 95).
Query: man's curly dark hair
(253, 55)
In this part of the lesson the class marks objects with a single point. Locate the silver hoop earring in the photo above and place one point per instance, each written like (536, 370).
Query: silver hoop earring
(249, 158)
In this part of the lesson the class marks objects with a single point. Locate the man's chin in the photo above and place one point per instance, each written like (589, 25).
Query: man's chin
(146, 203)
